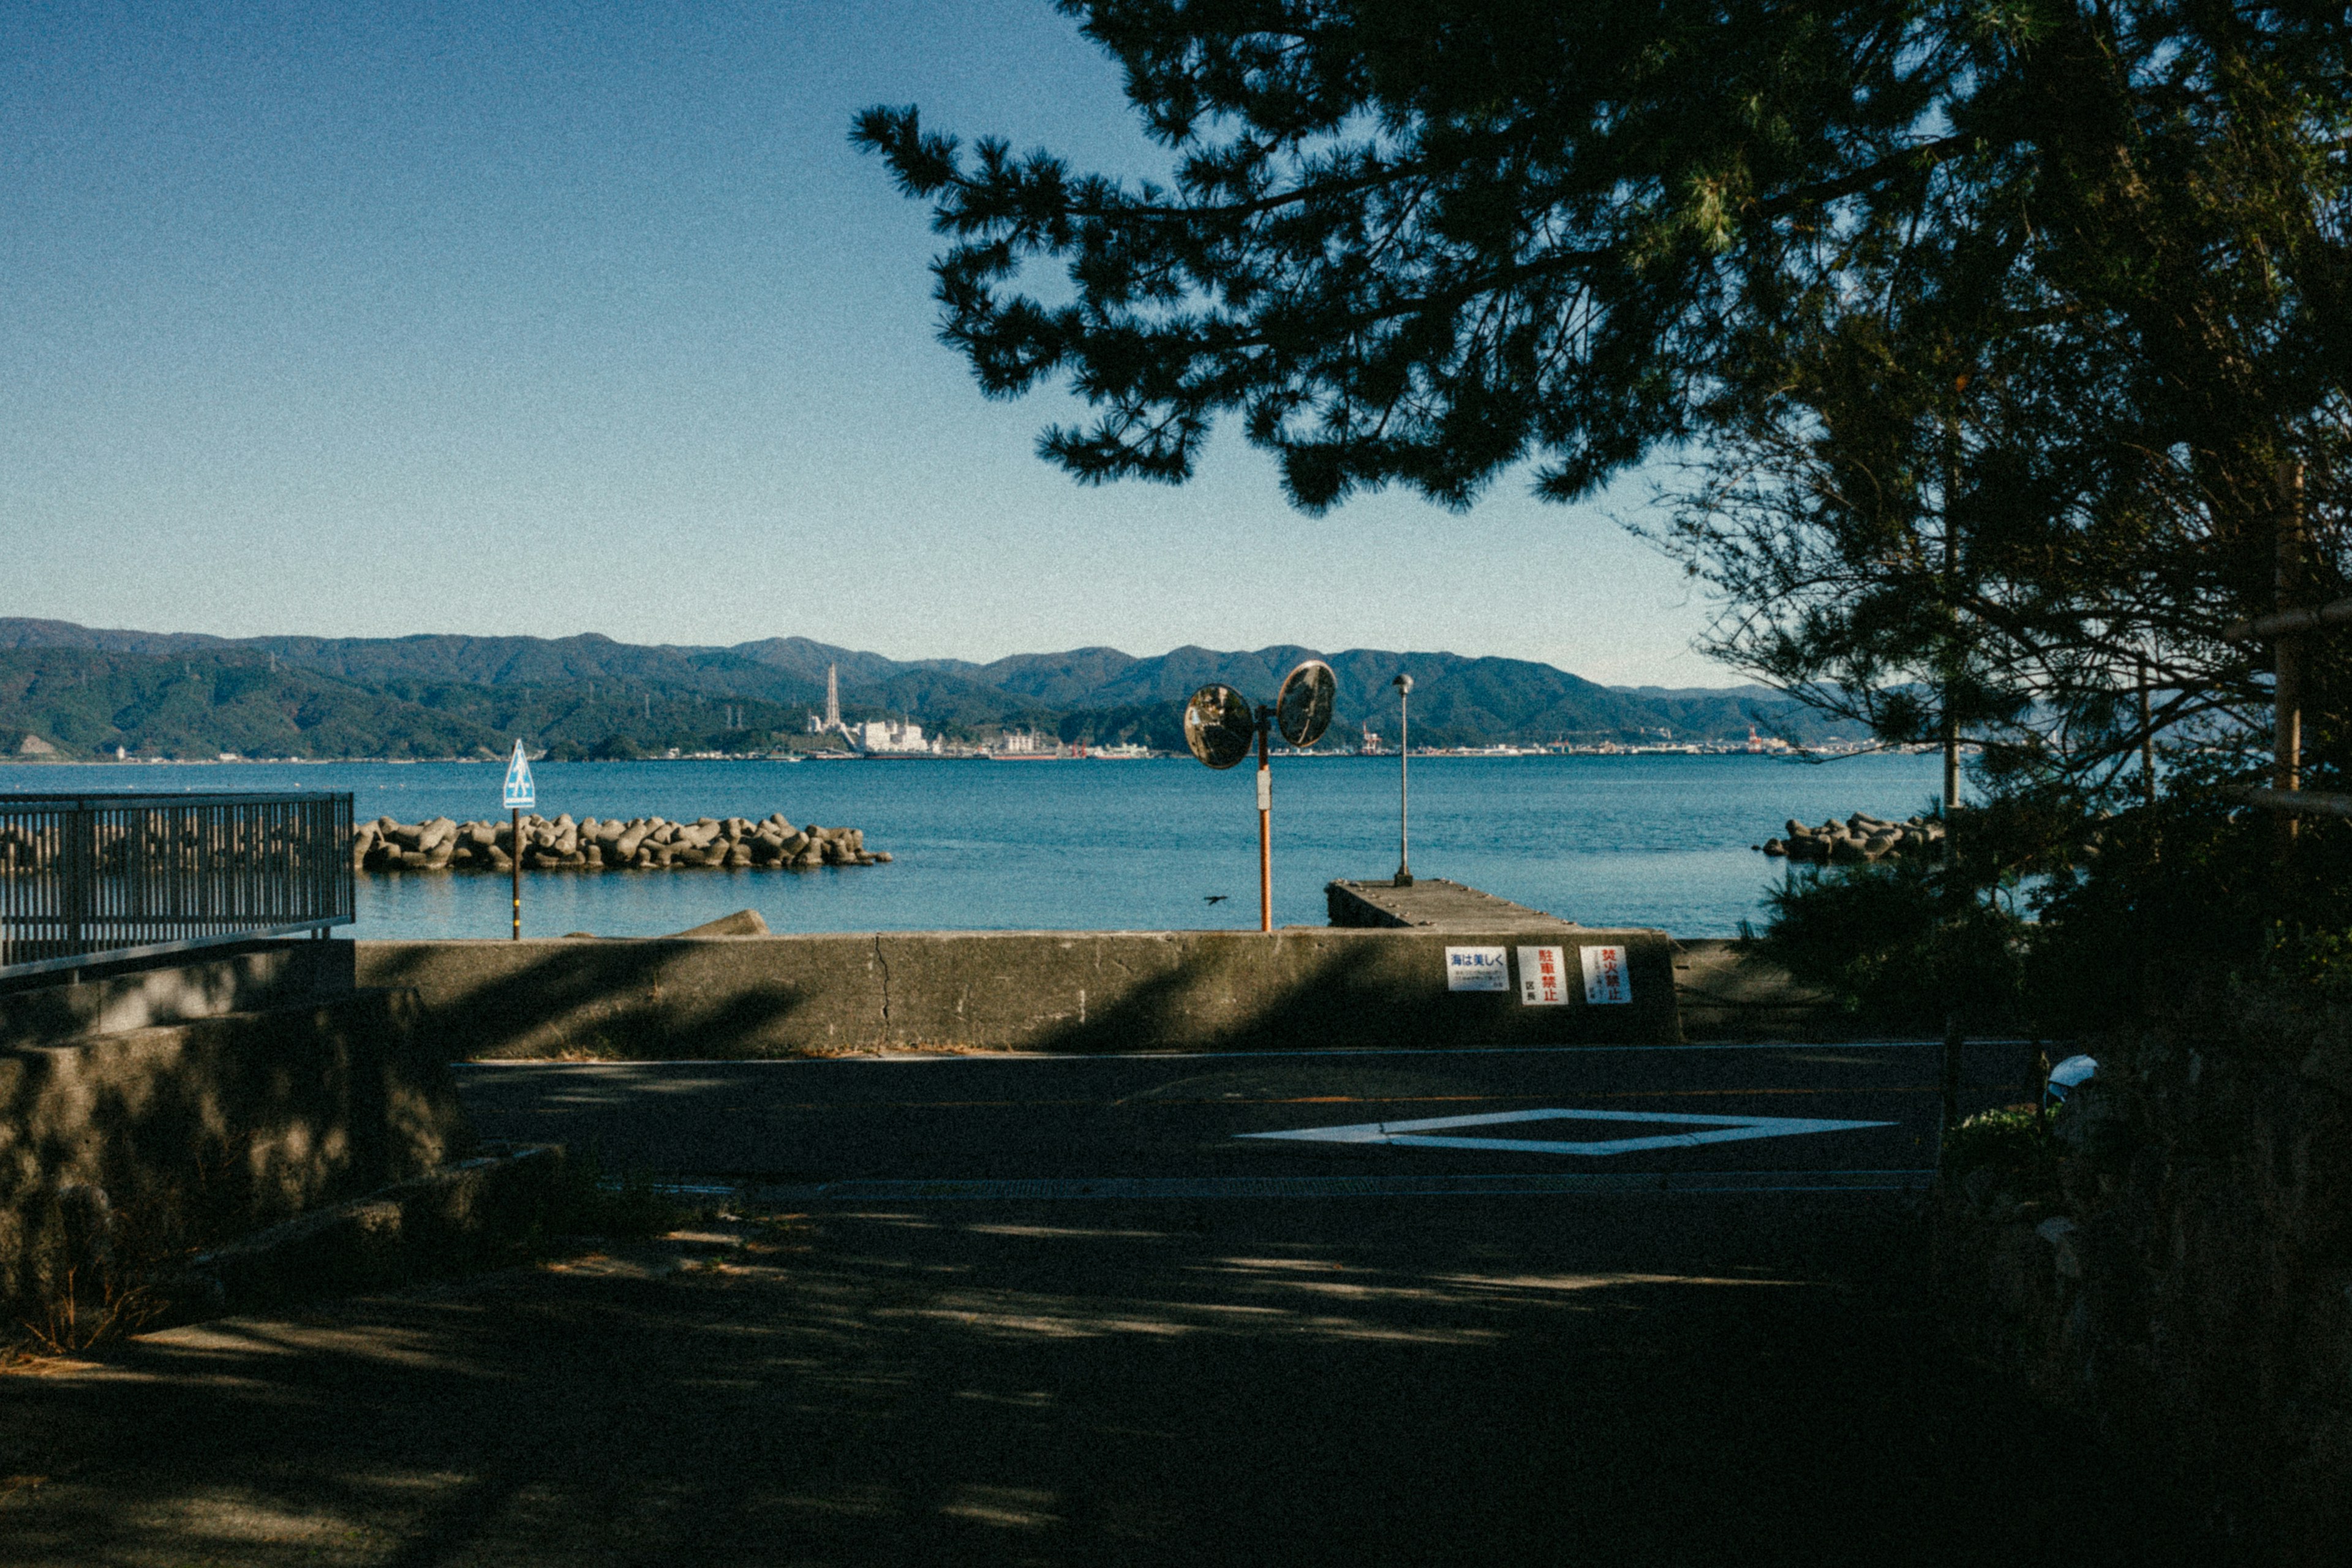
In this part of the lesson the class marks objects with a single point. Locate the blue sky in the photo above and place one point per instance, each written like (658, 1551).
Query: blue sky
(359, 319)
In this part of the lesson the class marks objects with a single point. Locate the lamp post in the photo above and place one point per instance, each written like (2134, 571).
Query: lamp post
(1403, 683)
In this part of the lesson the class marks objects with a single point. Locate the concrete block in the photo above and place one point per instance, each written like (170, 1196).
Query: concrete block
(1728, 994)
(1431, 903)
(203, 1129)
(114, 998)
(431, 1223)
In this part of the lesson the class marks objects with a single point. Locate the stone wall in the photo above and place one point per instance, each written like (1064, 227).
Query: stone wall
(2182, 1273)
(184, 1135)
(1299, 988)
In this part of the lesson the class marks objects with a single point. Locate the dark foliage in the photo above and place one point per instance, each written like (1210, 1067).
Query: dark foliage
(2009, 346)
(1895, 952)
(1994, 329)
(1420, 240)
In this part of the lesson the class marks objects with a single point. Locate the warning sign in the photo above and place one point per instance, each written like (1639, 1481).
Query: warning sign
(1477, 969)
(1605, 979)
(1543, 977)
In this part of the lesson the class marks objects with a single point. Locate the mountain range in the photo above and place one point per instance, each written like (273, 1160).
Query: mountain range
(69, 690)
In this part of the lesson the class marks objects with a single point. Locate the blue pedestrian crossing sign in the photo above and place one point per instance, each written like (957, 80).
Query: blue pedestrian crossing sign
(522, 795)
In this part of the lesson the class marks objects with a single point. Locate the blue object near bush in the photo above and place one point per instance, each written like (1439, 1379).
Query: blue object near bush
(2066, 1077)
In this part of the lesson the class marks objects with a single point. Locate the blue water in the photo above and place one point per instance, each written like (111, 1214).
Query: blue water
(1638, 840)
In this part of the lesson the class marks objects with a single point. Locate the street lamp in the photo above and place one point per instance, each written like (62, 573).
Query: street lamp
(1403, 683)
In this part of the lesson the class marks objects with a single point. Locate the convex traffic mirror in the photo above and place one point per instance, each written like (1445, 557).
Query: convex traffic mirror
(1220, 725)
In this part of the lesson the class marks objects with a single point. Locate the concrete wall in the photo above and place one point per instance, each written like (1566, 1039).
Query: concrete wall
(196, 1132)
(110, 998)
(1302, 988)
(1727, 995)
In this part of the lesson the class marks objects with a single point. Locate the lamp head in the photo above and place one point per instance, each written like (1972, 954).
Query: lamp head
(1403, 683)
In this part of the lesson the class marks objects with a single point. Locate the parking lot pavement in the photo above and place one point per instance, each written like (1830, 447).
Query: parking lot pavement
(802, 1124)
(1727, 1371)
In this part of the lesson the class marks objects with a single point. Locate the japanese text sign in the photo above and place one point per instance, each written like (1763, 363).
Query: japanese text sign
(1477, 969)
(1543, 977)
(1605, 976)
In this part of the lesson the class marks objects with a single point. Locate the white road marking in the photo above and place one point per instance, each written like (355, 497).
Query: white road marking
(1722, 1130)
(999, 1058)
(870, 1189)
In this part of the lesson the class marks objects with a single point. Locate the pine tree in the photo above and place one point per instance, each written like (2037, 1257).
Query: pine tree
(1991, 328)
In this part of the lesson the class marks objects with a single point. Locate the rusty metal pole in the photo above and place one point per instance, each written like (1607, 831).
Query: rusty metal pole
(2286, 693)
(1264, 827)
(1955, 1033)
(514, 859)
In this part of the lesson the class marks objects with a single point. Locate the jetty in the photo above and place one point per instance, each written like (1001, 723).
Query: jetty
(1433, 904)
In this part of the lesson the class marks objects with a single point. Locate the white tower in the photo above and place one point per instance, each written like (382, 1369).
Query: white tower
(832, 698)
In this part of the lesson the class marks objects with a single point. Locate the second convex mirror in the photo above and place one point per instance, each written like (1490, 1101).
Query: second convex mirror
(1303, 710)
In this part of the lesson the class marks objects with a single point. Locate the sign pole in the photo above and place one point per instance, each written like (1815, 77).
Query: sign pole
(521, 792)
(1265, 829)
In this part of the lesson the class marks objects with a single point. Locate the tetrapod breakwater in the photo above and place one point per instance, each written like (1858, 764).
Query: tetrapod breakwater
(1859, 839)
(608, 844)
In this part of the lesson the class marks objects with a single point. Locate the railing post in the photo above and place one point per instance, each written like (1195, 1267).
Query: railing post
(79, 876)
(85, 877)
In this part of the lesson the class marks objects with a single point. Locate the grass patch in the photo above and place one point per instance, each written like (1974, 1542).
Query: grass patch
(91, 1275)
(2011, 1138)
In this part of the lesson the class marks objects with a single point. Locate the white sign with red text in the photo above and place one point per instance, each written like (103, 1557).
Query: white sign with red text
(1605, 977)
(1543, 977)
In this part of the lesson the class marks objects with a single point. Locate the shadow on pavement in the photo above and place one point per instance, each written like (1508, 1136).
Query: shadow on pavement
(1603, 1381)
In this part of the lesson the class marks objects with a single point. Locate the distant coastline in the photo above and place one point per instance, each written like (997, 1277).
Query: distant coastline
(75, 693)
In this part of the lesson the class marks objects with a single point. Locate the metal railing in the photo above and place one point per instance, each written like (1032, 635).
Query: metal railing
(91, 878)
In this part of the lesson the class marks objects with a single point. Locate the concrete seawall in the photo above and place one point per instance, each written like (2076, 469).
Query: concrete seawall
(1302, 988)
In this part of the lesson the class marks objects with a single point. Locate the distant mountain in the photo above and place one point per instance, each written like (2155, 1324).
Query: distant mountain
(85, 691)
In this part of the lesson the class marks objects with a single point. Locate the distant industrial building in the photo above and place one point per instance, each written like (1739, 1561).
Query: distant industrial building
(888, 735)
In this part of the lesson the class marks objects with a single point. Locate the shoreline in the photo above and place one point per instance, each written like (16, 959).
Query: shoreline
(1417, 755)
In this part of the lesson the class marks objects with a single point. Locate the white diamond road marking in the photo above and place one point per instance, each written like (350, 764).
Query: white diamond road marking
(1721, 1129)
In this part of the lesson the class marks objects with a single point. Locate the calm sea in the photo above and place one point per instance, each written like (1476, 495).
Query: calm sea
(1645, 840)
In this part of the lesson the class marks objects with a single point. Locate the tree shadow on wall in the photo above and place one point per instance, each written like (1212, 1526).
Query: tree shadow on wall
(598, 1002)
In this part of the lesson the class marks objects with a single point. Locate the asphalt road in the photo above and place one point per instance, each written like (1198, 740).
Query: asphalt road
(977, 1331)
(1297, 1123)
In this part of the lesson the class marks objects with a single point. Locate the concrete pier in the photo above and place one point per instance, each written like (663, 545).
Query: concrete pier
(1433, 904)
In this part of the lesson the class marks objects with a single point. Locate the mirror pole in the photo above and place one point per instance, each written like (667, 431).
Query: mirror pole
(1264, 827)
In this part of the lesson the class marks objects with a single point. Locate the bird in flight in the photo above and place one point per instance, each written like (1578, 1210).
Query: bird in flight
(1219, 898)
